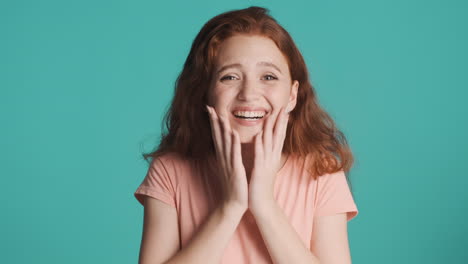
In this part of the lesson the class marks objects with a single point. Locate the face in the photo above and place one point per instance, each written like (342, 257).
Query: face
(251, 81)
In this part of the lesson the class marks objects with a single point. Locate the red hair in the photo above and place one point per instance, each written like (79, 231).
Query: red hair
(311, 131)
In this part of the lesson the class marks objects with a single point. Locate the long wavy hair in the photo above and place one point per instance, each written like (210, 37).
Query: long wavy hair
(311, 131)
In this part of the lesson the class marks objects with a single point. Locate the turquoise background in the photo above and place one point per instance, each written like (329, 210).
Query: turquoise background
(84, 86)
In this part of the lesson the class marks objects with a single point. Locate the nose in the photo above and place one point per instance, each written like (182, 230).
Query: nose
(248, 90)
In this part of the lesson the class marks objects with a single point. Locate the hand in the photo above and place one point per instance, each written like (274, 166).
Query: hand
(268, 148)
(229, 158)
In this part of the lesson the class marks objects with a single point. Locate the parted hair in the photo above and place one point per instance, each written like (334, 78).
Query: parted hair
(311, 131)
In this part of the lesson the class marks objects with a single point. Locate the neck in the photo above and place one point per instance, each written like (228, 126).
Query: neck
(248, 156)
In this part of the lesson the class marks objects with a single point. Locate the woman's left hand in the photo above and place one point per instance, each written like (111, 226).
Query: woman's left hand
(268, 149)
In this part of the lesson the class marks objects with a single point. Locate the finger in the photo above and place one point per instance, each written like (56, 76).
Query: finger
(236, 151)
(213, 132)
(226, 133)
(228, 136)
(225, 141)
(258, 148)
(283, 131)
(279, 122)
(268, 132)
(216, 133)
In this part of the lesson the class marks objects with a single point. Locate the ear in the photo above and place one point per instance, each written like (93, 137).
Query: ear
(293, 96)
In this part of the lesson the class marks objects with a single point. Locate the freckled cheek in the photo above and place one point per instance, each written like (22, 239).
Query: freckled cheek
(222, 99)
(224, 93)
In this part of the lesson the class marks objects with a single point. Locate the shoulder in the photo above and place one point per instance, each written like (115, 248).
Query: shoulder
(171, 164)
(169, 156)
(296, 158)
(170, 159)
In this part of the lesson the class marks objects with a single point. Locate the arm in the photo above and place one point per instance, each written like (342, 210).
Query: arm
(281, 240)
(330, 239)
(160, 238)
(207, 246)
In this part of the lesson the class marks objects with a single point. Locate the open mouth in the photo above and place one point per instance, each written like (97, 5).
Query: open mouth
(251, 118)
(249, 115)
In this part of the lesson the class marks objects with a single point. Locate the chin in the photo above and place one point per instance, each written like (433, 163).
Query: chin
(247, 137)
(247, 134)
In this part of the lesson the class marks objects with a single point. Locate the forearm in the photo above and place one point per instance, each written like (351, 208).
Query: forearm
(281, 240)
(208, 244)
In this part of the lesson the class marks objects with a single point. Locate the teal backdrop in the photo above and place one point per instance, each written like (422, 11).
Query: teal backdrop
(84, 86)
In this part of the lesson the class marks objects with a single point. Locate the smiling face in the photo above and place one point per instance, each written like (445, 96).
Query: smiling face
(251, 79)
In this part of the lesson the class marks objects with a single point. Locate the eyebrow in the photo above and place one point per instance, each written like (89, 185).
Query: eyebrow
(263, 63)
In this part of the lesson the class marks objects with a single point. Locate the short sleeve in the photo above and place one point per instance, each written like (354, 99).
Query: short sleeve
(333, 196)
(158, 183)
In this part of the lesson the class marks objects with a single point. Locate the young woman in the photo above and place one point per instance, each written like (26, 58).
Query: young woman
(251, 169)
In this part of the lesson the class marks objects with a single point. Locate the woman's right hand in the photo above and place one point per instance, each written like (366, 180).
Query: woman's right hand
(228, 154)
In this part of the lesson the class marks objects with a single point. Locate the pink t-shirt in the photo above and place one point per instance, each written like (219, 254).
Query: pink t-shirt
(171, 180)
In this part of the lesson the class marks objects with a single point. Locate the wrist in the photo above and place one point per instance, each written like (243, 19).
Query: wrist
(233, 208)
(263, 208)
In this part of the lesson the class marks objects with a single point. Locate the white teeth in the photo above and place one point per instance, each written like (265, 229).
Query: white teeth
(249, 113)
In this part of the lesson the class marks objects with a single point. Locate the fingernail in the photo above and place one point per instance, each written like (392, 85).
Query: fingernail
(207, 109)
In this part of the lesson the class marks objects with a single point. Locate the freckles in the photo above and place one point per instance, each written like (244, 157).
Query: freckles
(218, 93)
(221, 88)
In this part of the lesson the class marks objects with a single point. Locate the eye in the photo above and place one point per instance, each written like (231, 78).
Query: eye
(270, 77)
(228, 77)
